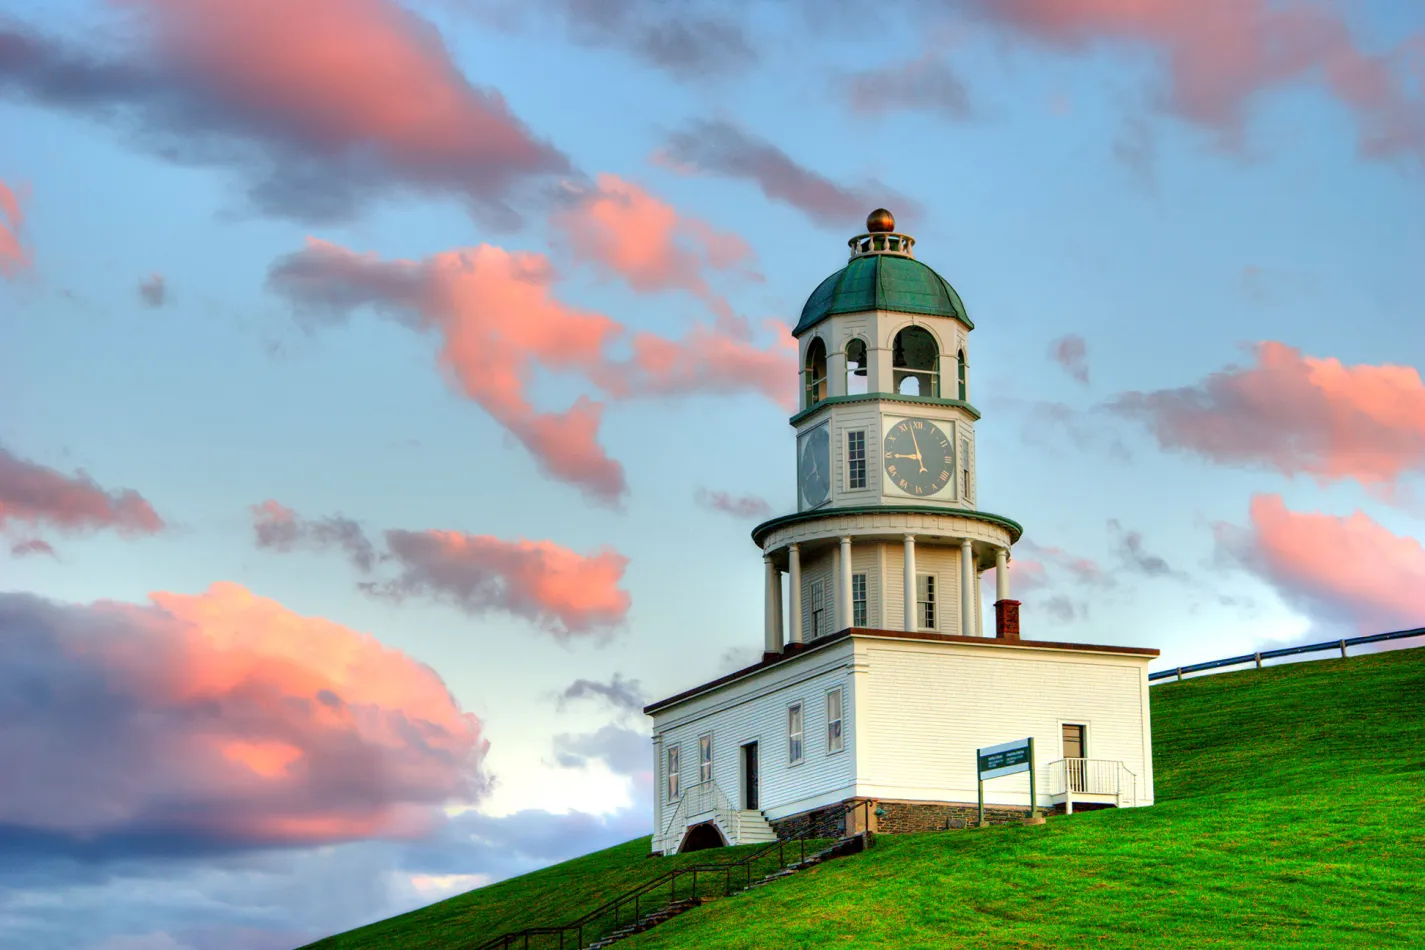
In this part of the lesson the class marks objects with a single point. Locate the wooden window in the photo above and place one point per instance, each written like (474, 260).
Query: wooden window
(674, 778)
(705, 759)
(818, 608)
(834, 741)
(925, 600)
(856, 459)
(858, 600)
(794, 733)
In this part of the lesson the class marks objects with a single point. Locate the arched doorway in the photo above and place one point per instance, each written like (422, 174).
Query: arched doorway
(702, 836)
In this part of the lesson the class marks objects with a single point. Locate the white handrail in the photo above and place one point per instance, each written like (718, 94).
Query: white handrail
(697, 800)
(1093, 777)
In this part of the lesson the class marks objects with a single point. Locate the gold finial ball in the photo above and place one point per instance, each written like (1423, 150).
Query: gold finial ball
(880, 220)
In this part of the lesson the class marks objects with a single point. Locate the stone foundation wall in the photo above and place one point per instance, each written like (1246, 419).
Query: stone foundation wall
(900, 818)
(906, 817)
(827, 822)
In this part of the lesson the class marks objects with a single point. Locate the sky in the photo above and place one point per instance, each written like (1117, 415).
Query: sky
(388, 389)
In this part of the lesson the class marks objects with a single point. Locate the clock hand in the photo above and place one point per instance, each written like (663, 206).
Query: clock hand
(914, 441)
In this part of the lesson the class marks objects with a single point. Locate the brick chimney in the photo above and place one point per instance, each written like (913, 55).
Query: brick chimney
(1006, 620)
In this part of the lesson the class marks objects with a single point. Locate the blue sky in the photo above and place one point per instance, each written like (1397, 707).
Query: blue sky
(1065, 174)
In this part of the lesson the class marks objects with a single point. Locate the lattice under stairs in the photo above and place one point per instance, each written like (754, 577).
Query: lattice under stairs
(846, 846)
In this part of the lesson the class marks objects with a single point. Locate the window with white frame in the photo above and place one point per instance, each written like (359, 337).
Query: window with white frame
(705, 759)
(674, 777)
(834, 742)
(858, 600)
(856, 459)
(794, 733)
(818, 609)
(925, 600)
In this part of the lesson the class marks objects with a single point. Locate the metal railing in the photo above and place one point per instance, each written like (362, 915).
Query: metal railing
(700, 799)
(720, 879)
(1071, 776)
(1286, 651)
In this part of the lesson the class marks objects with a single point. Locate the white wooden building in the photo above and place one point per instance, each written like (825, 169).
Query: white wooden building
(877, 681)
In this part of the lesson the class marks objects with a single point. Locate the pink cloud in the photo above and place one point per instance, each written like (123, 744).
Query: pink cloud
(37, 495)
(1221, 56)
(499, 321)
(722, 148)
(28, 546)
(1342, 569)
(13, 256)
(707, 360)
(318, 104)
(153, 290)
(1071, 353)
(1299, 415)
(625, 230)
(1082, 570)
(566, 593)
(224, 720)
(744, 506)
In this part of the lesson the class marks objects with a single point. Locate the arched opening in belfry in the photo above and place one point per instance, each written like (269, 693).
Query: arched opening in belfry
(701, 837)
(816, 372)
(963, 369)
(914, 362)
(857, 377)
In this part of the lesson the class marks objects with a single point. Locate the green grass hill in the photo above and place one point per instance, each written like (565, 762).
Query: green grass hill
(1290, 813)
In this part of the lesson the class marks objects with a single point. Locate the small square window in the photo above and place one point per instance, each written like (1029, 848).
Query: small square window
(833, 721)
(705, 759)
(794, 733)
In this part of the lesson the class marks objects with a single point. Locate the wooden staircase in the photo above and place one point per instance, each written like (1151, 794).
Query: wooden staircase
(846, 846)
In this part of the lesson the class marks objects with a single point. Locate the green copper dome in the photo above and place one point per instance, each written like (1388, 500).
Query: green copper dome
(882, 282)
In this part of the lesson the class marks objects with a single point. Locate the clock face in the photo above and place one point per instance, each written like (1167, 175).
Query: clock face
(918, 456)
(814, 468)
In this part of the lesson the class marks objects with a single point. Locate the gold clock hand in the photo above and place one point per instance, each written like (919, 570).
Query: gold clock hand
(916, 442)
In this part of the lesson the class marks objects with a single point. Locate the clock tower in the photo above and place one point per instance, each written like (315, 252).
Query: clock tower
(886, 533)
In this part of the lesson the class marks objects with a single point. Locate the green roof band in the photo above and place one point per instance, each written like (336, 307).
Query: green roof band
(882, 282)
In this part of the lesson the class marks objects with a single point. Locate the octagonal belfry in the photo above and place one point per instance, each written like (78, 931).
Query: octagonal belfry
(886, 533)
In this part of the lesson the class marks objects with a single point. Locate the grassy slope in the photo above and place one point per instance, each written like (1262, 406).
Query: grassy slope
(1290, 807)
(551, 895)
(1289, 815)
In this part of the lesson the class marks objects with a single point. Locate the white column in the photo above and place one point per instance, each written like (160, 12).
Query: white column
(773, 612)
(1001, 575)
(910, 582)
(794, 592)
(967, 590)
(845, 583)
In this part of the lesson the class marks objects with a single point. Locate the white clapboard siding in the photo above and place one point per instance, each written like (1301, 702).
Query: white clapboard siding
(926, 708)
(755, 709)
(941, 560)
